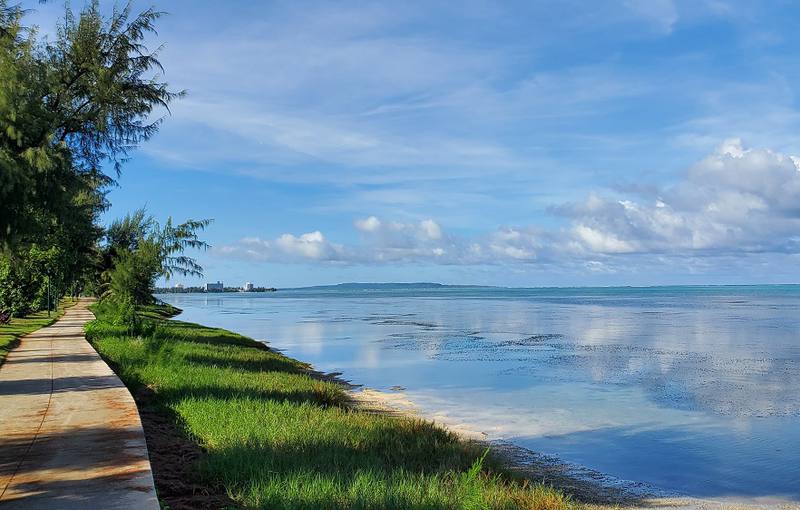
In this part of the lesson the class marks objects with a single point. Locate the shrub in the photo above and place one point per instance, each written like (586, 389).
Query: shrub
(24, 279)
(131, 278)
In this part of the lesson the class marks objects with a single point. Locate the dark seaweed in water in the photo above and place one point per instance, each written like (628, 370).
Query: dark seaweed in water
(532, 340)
(398, 320)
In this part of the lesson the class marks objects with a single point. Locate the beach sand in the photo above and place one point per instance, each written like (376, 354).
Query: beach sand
(592, 488)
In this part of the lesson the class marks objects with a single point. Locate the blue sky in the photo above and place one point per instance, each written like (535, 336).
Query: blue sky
(507, 143)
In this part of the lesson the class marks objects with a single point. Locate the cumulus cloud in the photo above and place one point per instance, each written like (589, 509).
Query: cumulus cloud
(385, 241)
(288, 248)
(431, 229)
(398, 235)
(370, 224)
(735, 201)
(312, 245)
(513, 244)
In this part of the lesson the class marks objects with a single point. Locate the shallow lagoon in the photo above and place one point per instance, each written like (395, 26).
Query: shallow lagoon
(689, 389)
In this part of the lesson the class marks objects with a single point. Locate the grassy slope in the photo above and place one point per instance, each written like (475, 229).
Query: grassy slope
(11, 333)
(277, 438)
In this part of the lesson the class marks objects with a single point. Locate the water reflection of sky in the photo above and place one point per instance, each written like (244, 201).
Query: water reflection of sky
(694, 390)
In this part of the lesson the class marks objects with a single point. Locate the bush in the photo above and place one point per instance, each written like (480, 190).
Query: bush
(123, 318)
(24, 279)
(124, 314)
(131, 278)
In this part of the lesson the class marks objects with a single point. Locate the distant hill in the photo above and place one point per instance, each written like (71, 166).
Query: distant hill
(382, 286)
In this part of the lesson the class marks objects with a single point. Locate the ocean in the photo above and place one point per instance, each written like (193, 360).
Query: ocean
(691, 390)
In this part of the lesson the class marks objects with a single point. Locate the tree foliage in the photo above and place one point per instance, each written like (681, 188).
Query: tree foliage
(102, 93)
(138, 251)
(70, 108)
(24, 280)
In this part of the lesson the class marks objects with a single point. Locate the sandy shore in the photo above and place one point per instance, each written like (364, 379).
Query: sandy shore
(593, 488)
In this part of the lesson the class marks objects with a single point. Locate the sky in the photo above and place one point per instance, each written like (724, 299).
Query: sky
(567, 143)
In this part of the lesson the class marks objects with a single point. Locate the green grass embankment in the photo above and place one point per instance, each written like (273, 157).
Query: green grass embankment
(11, 333)
(276, 437)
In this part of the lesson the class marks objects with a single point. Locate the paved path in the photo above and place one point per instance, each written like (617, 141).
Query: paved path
(70, 434)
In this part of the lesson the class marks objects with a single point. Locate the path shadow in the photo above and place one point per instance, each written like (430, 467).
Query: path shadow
(59, 384)
(102, 447)
(63, 358)
(78, 494)
(43, 334)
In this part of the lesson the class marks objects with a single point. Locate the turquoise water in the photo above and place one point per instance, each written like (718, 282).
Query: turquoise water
(689, 389)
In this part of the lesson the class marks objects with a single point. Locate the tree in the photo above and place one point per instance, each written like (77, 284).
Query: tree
(139, 251)
(132, 277)
(67, 109)
(173, 240)
(70, 106)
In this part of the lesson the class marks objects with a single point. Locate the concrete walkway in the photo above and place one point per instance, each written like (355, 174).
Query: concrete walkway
(70, 434)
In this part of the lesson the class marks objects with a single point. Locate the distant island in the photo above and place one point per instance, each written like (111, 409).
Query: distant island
(388, 285)
(219, 287)
(204, 290)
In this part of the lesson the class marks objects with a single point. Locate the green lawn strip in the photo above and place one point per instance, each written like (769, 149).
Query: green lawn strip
(276, 437)
(11, 333)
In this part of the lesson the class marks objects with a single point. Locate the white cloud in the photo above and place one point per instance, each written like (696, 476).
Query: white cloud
(602, 242)
(513, 244)
(392, 242)
(735, 201)
(370, 224)
(731, 147)
(431, 229)
(311, 245)
(399, 235)
(384, 100)
(287, 248)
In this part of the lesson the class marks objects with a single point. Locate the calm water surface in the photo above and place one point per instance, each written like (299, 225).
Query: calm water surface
(692, 389)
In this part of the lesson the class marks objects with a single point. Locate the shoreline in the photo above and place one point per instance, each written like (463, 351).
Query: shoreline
(258, 429)
(591, 488)
(588, 486)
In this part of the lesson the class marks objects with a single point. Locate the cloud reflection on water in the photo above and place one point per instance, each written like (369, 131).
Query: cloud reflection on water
(695, 392)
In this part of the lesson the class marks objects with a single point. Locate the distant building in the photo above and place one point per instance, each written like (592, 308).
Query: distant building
(178, 285)
(215, 287)
(248, 287)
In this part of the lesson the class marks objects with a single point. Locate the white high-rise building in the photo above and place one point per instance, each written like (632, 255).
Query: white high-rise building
(248, 287)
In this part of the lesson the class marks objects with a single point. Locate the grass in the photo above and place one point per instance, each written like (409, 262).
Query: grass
(276, 437)
(11, 333)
